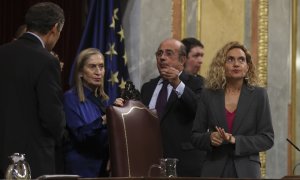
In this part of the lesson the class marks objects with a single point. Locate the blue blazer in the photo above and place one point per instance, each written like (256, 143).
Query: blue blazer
(87, 151)
(252, 129)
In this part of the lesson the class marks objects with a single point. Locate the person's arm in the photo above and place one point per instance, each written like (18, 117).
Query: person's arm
(191, 93)
(81, 132)
(91, 137)
(263, 139)
(88, 131)
(49, 95)
(201, 138)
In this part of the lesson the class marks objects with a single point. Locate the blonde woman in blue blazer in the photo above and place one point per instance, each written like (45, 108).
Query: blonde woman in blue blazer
(233, 120)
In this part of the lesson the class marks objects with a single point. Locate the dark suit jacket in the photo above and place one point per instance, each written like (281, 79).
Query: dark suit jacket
(176, 124)
(252, 129)
(31, 110)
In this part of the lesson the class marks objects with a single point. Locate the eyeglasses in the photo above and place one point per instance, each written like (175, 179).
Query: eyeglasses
(168, 52)
(232, 60)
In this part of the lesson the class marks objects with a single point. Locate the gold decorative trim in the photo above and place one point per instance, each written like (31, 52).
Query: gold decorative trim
(183, 18)
(294, 79)
(199, 8)
(263, 41)
(263, 6)
(125, 134)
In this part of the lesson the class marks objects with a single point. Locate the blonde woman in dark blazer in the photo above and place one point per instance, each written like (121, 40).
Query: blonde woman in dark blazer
(233, 120)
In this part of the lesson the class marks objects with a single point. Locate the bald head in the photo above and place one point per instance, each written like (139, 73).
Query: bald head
(170, 58)
(175, 45)
(170, 53)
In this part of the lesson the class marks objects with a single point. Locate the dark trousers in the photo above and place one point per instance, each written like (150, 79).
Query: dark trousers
(229, 169)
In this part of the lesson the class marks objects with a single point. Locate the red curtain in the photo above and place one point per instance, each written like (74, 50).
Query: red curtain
(12, 13)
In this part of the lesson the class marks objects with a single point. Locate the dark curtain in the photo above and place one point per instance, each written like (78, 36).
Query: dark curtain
(12, 13)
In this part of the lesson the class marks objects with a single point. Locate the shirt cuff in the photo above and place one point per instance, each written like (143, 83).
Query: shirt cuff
(180, 88)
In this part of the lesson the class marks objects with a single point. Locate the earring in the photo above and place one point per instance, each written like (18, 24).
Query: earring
(246, 77)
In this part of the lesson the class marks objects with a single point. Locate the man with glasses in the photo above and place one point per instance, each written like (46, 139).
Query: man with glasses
(174, 96)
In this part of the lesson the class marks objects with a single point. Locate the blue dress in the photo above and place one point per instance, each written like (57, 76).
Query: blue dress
(87, 151)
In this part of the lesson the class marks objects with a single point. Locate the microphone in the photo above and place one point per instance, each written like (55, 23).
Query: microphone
(296, 147)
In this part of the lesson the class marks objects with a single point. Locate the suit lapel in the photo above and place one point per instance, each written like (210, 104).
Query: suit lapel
(244, 102)
(171, 101)
(98, 102)
(149, 92)
(34, 40)
(173, 96)
(218, 108)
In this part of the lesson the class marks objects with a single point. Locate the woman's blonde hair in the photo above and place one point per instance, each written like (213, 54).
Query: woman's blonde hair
(216, 74)
(78, 80)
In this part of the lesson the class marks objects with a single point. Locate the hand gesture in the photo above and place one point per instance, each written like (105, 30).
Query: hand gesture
(215, 139)
(171, 74)
(119, 102)
(225, 136)
(104, 120)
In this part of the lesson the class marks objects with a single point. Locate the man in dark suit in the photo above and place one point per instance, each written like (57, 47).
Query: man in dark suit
(31, 111)
(178, 113)
(194, 55)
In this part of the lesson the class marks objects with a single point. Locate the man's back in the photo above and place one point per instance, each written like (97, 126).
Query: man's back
(31, 113)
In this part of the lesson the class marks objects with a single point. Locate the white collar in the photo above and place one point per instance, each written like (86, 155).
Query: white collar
(43, 44)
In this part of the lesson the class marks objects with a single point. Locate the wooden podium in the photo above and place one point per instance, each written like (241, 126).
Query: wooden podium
(291, 177)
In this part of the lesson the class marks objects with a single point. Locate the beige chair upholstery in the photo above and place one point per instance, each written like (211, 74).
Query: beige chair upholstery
(135, 139)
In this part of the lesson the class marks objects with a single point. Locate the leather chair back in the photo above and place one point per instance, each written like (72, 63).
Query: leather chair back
(134, 138)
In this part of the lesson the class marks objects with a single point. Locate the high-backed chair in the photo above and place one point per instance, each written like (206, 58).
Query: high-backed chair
(135, 139)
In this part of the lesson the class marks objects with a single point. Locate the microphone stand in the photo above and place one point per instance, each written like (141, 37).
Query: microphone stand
(297, 148)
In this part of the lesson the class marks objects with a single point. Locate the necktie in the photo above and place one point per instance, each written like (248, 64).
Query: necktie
(162, 99)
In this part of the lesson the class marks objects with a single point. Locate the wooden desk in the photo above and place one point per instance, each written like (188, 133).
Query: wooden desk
(156, 178)
(66, 177)
(291, 177)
